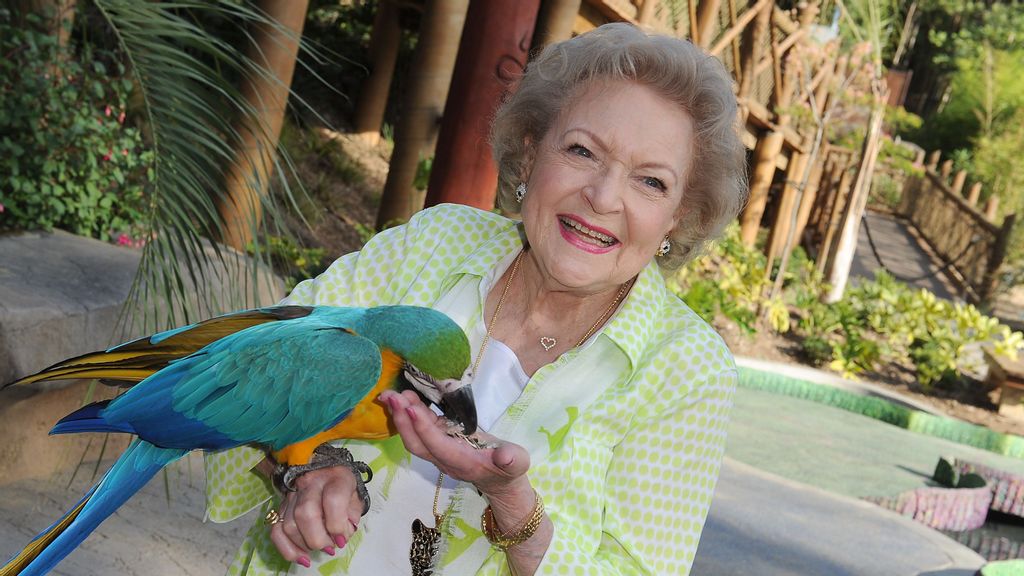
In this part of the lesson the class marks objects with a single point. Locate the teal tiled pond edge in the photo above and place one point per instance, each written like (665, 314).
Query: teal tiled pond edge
(886, 411)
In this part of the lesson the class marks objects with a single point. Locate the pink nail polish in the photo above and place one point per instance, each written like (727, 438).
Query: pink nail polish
(303, 561)
(329, 550)
(340, 541)
(412, 413)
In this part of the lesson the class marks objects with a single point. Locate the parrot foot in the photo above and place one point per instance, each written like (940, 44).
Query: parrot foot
(327, 456)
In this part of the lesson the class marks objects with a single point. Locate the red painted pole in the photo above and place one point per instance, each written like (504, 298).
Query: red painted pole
(492, 55)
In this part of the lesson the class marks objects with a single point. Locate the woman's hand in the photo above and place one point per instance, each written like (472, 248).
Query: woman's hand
(497, 472)
(323, 513)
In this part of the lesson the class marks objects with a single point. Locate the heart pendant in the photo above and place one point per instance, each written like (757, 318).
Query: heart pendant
(548, 343)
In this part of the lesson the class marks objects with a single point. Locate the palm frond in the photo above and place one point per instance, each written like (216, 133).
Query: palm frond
(187, 77)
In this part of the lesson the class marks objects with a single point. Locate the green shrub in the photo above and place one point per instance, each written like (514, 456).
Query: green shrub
(292, 261)
(67, 158)
(878, 321)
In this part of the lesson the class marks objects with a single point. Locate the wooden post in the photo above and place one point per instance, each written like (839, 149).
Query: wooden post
(808, 200)
(432, 66)
(768, 147)
(919, 158)
(974, 194)
(274, 49)
(958, 182)
(784, 215)
(691, 6)
(807, 13)
(373, 97)
(842, 197)
(826, 192)
(707, 22)
(492, 55)
(933, 160)
(753, 37)
(995, 261)
(992, 208)
(646, 12)
(821, 92)
(555, 21)
(946, 170)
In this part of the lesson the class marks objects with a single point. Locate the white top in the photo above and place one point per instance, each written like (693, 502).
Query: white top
(499, 381)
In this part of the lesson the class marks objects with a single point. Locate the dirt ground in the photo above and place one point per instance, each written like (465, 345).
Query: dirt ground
(344, 213)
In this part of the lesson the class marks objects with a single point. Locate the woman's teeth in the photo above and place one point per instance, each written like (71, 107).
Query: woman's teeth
(602, 238)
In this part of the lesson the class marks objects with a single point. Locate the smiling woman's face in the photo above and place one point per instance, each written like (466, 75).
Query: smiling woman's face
(606, 185)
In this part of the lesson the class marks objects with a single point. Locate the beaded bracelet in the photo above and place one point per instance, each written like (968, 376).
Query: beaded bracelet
(514, 537)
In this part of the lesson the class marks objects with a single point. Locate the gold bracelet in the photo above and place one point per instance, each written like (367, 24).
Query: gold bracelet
(513, 537)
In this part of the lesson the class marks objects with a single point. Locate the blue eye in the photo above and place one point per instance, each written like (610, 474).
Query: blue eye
(581, 151)
(654, 183)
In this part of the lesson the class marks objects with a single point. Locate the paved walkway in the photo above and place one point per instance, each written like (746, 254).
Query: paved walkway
(150, 535)
(902, 253)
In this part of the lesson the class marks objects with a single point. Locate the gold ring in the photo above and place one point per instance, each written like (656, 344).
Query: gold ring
(272, 518)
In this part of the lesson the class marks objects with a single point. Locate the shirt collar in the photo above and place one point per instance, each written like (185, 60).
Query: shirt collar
(629, 329)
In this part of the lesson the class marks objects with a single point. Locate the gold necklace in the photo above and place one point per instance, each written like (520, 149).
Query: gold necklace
(425, 540)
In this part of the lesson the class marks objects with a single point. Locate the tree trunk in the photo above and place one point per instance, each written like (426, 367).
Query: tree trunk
(274, 49)
(847, 244)
(417, 131)
(492, 56)
(373, 98)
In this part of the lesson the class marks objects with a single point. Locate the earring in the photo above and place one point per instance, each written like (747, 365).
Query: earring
(665, 247)
(520, 191)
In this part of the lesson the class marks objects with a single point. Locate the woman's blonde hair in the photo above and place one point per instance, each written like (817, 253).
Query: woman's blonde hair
(716, 186)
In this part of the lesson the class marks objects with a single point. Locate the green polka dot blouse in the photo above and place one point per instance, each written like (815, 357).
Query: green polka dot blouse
(626, 435)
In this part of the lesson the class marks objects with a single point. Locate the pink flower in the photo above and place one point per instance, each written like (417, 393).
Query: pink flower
(124, 151)
(120, 118)
(106, 111)
(1, 208)
(109, 154)
(124, 240)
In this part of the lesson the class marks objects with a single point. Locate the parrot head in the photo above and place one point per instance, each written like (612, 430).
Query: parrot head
(436, 355)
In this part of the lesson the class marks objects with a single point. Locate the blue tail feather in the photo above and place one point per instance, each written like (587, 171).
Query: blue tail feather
(140, 462)
(89, 419)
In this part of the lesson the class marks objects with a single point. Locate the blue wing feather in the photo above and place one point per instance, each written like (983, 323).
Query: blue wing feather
(275, 384)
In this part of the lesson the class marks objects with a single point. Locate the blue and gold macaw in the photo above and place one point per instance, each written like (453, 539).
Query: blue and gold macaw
(286, 378)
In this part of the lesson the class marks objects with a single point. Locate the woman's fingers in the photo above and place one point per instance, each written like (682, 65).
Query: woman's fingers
(404, 423)
(285, 535)
(426, 436)
(322, 514)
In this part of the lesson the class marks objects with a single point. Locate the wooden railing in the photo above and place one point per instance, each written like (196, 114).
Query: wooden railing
(964, 238)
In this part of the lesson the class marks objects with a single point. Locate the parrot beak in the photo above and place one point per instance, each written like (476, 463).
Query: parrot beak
(452, 396)
(458, 405)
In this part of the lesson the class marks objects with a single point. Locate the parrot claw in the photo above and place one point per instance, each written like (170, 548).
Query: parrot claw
(327, 456)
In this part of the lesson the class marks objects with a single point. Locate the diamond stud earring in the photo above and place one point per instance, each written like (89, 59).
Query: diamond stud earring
(520, 191)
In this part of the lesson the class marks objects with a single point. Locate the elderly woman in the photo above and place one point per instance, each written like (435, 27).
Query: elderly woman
(605, 397)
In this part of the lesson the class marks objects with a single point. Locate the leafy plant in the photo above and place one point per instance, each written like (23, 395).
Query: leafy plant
(295, 262)
(184, 70)
(729, 280)
(68, 159)
(879, 321)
